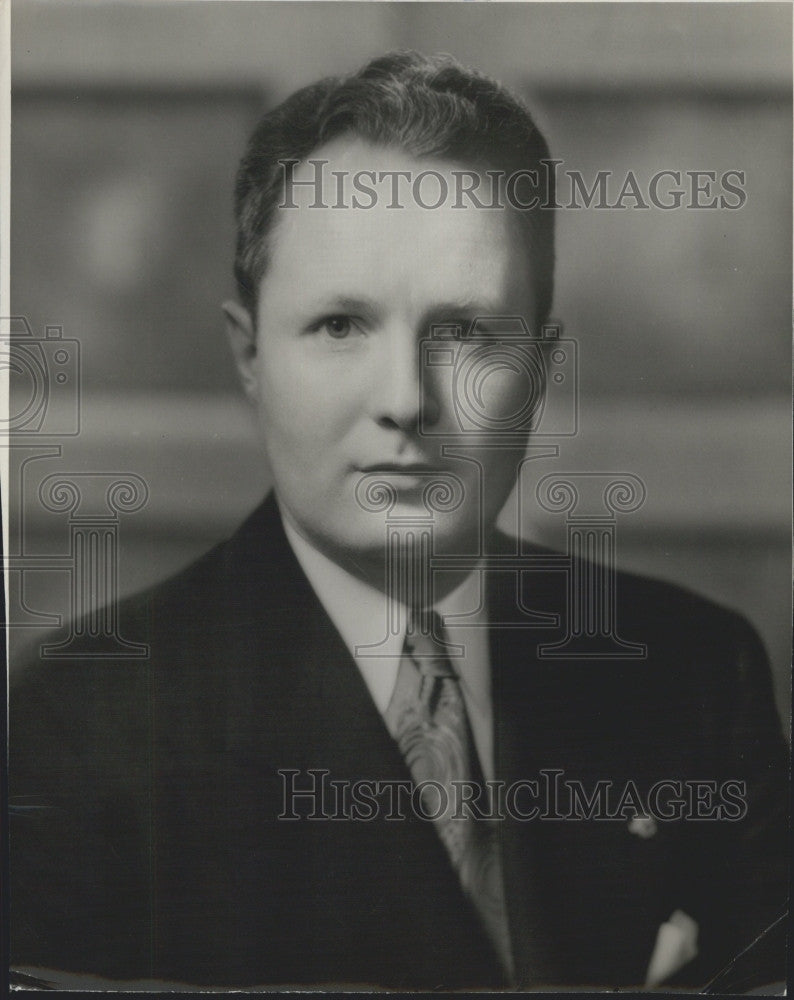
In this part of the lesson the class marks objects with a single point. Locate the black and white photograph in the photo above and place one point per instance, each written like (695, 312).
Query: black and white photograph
(396, 466)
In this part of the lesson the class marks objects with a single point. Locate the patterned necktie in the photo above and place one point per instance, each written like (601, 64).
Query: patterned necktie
(427, 717)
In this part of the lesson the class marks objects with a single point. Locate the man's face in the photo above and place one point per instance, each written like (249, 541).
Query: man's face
(334, 363)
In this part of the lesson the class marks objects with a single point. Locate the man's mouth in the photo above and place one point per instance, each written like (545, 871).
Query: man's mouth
(405, 476)
(401, 468)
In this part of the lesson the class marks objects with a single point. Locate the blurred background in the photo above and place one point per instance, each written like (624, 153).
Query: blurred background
(128, 120)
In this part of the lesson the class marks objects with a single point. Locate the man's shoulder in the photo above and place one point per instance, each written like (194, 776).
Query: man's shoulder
(650, 600)
(211, 585)
(641, 596)
(201, 594)
(682, 636)
(650, 664)
(165, 623)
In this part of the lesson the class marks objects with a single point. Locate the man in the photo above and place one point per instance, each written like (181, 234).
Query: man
(347, 760)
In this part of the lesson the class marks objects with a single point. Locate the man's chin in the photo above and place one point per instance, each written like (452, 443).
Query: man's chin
(408, 533)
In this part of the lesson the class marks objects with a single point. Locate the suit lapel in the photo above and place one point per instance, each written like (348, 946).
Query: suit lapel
(305, 658)
(296, 670)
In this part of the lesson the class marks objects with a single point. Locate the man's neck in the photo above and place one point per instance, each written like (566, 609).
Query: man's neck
(373, 570)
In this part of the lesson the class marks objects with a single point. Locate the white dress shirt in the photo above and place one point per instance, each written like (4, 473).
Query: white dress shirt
(359, 613)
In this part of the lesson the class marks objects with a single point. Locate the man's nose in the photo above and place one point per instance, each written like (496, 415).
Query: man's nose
(403, 398)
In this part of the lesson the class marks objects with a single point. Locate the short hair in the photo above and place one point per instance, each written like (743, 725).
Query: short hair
(425, 105)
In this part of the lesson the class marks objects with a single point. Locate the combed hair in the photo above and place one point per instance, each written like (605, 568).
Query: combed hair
(427, 106)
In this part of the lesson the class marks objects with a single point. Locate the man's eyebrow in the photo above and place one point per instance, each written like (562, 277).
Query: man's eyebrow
(462, 310)
(343, 304)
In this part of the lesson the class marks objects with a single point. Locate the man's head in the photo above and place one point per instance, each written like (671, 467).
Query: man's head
(430, 107)
(336, 301)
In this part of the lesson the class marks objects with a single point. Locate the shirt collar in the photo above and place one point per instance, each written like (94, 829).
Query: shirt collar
(360, 612)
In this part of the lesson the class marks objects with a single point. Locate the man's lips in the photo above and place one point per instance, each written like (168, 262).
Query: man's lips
(412, 467)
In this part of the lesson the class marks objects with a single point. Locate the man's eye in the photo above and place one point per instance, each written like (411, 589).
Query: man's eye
(337, 327)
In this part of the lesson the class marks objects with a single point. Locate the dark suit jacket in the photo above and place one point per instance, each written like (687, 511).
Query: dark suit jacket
(145, 795)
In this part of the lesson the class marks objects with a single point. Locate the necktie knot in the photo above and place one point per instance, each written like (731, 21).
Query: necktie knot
(425, 644)
(425, 648)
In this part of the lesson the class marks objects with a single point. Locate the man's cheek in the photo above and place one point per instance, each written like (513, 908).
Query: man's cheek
(509, 394)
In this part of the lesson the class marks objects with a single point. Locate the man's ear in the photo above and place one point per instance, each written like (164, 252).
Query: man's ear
(241, 332)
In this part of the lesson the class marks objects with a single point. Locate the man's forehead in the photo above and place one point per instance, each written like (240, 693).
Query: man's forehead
(353, 152)
(337, 231)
